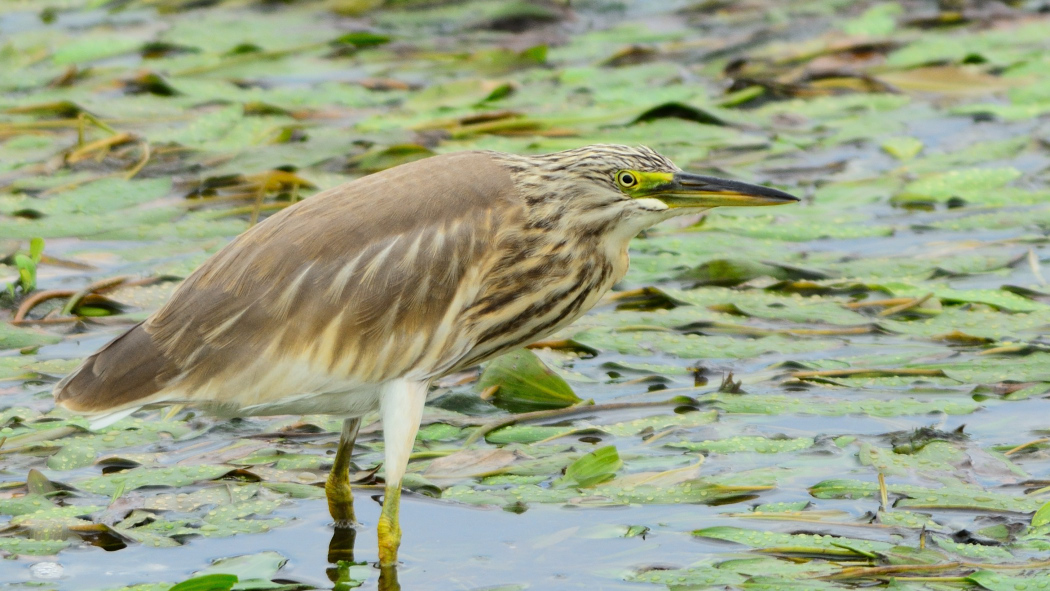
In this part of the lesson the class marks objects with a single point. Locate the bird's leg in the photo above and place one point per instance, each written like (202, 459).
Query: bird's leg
(401, 405)
(337, 487)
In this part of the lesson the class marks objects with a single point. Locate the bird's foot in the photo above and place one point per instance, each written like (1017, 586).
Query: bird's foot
(340, 501)
(389, 533)
(389, 527)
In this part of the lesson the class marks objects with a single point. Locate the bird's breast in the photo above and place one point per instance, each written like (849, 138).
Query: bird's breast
(533, 296)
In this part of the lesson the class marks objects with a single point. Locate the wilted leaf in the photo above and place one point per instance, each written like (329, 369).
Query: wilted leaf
(262, 566)
(950, 80)
(470, 462)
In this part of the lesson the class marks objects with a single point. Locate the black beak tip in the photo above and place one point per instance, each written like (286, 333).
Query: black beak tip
(785, 197)
(770, 195)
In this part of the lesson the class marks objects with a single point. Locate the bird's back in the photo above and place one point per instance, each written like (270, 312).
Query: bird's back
(351, 287)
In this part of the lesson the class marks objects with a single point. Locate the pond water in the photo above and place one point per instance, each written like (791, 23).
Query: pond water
(892, 325)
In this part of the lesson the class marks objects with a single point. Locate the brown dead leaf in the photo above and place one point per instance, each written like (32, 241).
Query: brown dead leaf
(951, 80)
(665, 478)
(470, 462)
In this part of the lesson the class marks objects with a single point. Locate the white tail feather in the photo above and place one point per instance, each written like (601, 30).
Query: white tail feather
(104, 420)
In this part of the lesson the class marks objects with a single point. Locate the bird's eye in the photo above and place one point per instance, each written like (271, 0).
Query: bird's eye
(626, 179)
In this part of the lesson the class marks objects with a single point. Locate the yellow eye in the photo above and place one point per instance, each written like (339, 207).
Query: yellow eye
(626, 179)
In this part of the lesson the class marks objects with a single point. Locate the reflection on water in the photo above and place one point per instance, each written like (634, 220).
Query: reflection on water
(388, 579)
(341, 547)
(341, 557)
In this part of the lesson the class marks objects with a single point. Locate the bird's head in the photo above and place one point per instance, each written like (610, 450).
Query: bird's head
(635, 186)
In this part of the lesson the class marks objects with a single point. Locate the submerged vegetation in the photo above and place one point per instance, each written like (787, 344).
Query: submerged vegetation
(851, 392)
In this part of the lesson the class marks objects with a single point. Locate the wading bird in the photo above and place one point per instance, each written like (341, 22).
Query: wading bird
(355, 299)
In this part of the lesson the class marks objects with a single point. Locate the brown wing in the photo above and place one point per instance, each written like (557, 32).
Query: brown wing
(353, 286)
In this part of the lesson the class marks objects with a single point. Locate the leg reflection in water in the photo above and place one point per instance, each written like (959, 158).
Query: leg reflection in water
(341, 548)
(341, 556)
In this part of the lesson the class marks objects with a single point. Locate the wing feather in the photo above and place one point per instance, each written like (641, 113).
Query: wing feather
(337, 290)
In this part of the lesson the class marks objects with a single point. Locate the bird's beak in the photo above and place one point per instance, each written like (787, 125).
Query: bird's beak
(693, 190)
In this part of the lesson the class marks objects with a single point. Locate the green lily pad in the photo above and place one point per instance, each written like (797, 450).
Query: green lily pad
(880, 19)
(524, 383)
(994, 581)
(697, 576)
(986, 370)
(763, 445)
(593, 469)
(996, 298)
(972, 185)
(773, 306)
(212, 582)
(439, 432)
(813, 544)
(282, 460)
(903, 148)
(145, 476)
(777, 405)
(979, 552)
(1042, 516)
(917, 497)
(23, 505)
(655, 423)
(12, 337)
(691, 346)
(262, 566)
(82, 450)
(19, 546)
(708, 491)
(937, 456)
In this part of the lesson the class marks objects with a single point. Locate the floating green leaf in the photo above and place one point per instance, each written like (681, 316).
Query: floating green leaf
(12, 337)
(697, 576)
(795, 543)
(214, 582)
(145, 476)
(738, 444)
(972, 185)
(262, 566)
(917, 497)
(524, 383)
(994, 581)
(594, 468)
(18, 546)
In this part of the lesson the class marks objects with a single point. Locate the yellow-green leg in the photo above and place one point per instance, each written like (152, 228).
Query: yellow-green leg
(337, 487)
(401, 406)
(389, 528)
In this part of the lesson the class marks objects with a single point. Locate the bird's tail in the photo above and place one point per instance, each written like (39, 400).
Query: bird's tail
(120, 378)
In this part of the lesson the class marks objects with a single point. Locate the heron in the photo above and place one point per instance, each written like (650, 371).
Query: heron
(356, 299)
